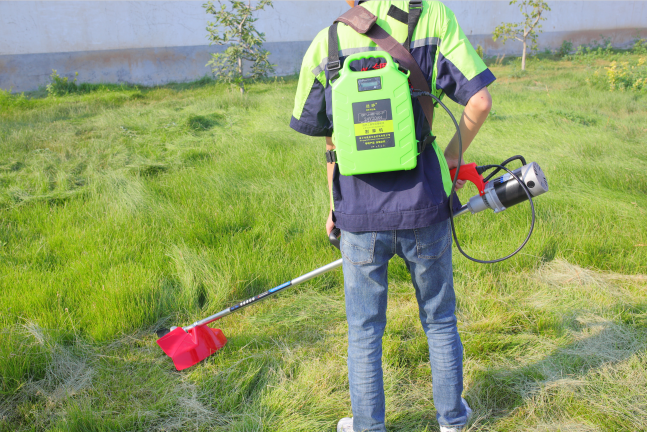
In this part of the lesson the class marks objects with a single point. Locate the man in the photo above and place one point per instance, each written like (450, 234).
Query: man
(402, 212)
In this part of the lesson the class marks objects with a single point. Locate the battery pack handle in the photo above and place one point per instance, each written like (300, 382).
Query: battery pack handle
(367, 55)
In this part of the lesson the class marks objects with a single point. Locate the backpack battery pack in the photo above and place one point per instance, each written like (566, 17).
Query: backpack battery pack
(373, 118)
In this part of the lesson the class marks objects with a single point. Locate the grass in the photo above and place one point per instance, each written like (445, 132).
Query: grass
(126, 209)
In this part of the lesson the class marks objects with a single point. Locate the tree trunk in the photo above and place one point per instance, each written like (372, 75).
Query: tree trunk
(523, 56)
(240, 73)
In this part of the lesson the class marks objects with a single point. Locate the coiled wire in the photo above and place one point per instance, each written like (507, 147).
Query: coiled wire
(499, 168)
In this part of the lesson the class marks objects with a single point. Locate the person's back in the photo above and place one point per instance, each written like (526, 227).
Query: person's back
(401, 212)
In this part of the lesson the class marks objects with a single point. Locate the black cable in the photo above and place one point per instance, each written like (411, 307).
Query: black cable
(504, 163)
(499, 167)
(532, 224)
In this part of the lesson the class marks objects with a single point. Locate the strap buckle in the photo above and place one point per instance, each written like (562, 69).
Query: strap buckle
(415, 93)
(331, 156)
(334, 65)
(415, 4)
(428, 141)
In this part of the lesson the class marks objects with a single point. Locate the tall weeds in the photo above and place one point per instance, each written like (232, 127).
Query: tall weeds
(124, 210)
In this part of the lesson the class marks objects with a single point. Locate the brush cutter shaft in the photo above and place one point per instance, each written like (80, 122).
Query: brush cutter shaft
(306, 277)
(462, 211)
(313, 274)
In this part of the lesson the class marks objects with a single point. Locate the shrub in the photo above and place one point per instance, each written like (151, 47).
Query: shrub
(480, 51)
(565, 49)
(595, 50)
(9, 100)
(621, 76)
(60, 86)
(640, 46)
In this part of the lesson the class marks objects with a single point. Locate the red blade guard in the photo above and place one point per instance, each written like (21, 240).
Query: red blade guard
(193, 346)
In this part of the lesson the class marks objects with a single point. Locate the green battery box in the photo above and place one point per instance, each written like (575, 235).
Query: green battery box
(373, 118)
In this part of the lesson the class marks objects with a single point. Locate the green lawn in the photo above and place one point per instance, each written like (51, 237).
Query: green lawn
(124, 210)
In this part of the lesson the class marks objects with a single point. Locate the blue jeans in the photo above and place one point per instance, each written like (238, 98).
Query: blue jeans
(428, 255)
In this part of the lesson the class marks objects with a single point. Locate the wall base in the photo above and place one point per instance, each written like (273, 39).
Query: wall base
(157, 66)
(145, 66)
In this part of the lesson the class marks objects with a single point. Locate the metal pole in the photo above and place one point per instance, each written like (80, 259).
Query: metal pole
(306, 277)
(303, 278)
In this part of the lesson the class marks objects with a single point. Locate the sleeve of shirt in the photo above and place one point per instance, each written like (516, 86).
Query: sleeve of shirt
(460, 72)
(309, 115)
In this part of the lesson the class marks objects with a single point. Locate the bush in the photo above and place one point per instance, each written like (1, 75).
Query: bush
(9, 100)
(640, 46)
(595, 50)
(626, 75)
(565, 49)
(480, 51)
(60, 86)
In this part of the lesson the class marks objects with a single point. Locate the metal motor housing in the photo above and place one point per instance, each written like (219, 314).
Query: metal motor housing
(505, 191)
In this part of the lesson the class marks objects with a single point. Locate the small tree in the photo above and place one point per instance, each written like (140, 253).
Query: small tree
(235, 28)
(526, 31)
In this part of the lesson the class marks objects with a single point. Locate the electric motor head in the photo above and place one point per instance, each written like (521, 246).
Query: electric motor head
(531, 175)
(505, 191)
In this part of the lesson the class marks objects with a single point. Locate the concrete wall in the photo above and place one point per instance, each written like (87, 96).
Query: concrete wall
(154, 42)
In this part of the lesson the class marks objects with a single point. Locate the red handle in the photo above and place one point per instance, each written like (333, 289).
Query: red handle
(468, 172)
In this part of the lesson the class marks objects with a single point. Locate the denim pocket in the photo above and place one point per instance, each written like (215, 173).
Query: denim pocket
(358, 248)
(432, 241)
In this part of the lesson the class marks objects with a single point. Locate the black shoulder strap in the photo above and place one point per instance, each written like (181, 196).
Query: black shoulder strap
(398, 14)
(410, 19)
(415, 10)
(334, 64)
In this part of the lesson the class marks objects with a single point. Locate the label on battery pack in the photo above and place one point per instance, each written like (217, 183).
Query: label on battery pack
(373, 124)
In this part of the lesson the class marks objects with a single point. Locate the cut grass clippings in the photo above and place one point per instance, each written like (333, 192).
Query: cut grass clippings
(127, 209)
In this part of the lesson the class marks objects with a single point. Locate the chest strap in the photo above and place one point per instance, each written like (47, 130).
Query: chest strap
(331, 155)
